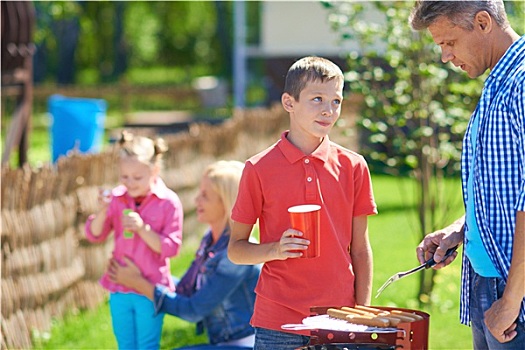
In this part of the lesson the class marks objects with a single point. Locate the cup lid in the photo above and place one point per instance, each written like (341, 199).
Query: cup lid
(304, 208)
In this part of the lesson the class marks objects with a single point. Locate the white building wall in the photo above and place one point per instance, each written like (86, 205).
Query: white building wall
(298, 28)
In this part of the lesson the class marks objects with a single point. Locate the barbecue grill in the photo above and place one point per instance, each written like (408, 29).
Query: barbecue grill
(408, 336)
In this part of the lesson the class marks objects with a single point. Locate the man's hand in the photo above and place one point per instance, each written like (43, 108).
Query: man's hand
(437, 243)
(500, 319)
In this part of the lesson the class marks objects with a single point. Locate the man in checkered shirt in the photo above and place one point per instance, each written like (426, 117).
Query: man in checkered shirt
(476, 36)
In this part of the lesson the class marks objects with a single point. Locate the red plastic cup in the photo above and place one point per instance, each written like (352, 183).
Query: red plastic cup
(306, 218)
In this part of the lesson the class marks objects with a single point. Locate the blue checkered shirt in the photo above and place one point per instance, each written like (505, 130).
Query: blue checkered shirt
(499, 166)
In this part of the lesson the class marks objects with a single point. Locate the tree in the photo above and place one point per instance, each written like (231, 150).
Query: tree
(56, 37)
(415, 108)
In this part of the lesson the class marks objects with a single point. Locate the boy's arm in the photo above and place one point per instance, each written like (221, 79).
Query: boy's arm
(362, 261)
(243, 252)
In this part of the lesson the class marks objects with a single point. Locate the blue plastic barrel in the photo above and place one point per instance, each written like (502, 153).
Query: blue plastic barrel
(76, 123)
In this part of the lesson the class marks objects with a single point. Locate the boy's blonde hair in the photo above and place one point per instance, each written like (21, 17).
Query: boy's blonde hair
(146, 150)
(309, 69)
(225, 176)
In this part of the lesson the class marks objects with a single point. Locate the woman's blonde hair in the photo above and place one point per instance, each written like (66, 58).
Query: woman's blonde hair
(146, 150)
(225, 176)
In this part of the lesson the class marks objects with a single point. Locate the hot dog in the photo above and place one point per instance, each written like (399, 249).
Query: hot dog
(397, 315)
(367, 320)
(370, 316)
(415, 317)
(394, 321)
(371, 310)
(337, 313)
(357, 311)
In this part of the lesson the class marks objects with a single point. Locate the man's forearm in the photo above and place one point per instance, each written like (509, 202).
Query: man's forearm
(515, 289)
(459, 226)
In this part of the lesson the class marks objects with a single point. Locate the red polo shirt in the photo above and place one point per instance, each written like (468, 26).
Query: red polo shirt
(280, 177)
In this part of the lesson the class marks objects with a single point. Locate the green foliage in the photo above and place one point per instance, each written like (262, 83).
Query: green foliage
(416, 108)
(49, 12)
(516, 15)
(171, 33)
(186, 34)
(394, 242)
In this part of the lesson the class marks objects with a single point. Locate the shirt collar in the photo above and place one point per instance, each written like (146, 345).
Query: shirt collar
(294, 154)
(506, 64)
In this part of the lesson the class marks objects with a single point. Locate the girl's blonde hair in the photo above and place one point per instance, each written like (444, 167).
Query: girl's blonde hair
(146, 150)
(225, 176)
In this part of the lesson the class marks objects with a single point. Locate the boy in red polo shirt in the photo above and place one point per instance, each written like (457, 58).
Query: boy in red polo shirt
(305, 167)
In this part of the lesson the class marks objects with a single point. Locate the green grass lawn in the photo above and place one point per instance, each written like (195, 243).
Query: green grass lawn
(393, 236)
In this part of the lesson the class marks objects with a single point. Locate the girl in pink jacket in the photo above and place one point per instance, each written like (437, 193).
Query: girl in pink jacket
(146, 219)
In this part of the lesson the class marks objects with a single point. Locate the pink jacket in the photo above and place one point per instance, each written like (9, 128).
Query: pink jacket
(162, 210)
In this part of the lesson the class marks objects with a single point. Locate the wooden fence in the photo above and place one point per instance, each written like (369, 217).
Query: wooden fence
(49, 268)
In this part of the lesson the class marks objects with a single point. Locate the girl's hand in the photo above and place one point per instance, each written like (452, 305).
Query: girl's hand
(291, 245)
(132, 221)
(104, 198)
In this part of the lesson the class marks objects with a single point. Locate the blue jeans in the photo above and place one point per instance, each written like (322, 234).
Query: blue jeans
(484, 291)
(212, 347)
(267, 339)
(134, 322)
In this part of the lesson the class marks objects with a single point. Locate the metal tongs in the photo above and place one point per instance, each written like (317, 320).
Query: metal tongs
(426, 265)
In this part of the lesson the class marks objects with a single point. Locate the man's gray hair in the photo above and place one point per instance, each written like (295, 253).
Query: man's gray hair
(460, 13)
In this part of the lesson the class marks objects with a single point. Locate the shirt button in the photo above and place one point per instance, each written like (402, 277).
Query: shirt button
(309, 179)
(307, 161)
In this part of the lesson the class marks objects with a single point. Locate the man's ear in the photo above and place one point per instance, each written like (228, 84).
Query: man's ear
(483, 21)
(287, 100)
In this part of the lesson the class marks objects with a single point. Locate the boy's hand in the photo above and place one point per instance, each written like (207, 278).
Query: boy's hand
(291, 245)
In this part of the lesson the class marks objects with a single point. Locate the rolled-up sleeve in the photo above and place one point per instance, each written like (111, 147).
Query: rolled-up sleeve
(520, 204)
(106, 230)
(519, 110)
(172, 231)
(364, 196)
